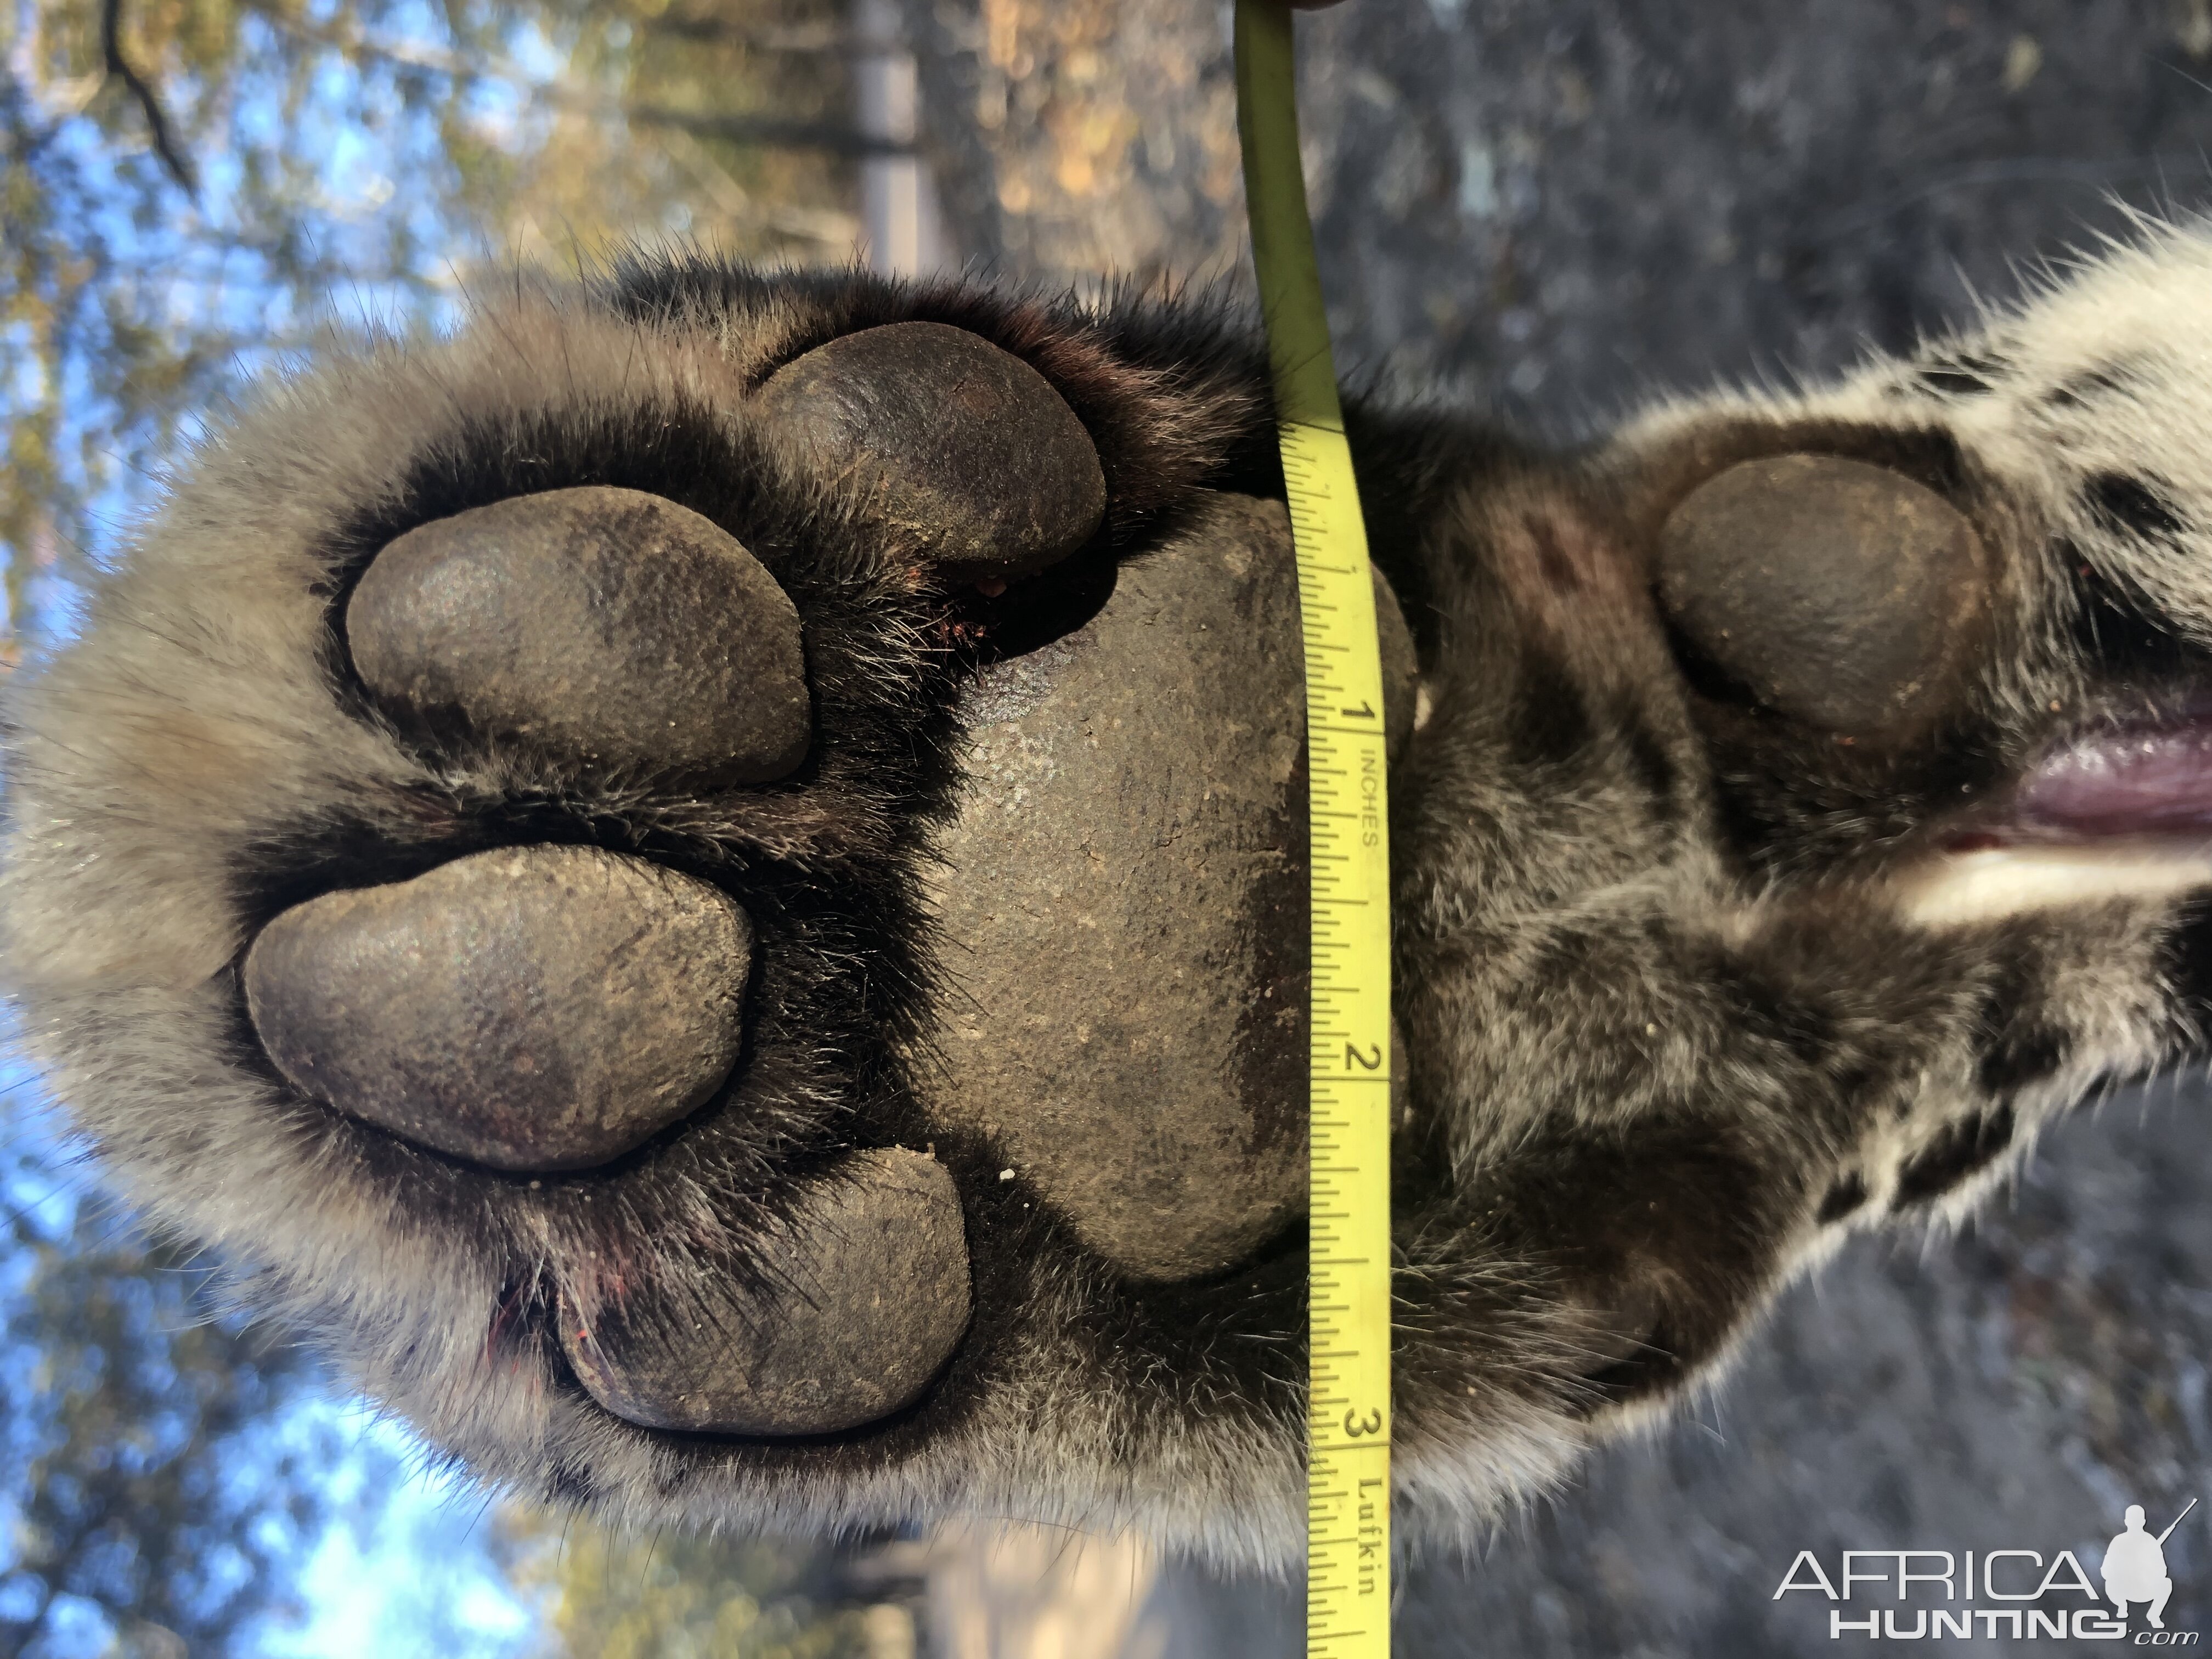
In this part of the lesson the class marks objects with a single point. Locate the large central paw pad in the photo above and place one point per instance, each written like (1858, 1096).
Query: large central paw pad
(1127, 889)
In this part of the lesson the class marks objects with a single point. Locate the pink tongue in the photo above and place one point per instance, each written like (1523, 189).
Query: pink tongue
(2146, 781)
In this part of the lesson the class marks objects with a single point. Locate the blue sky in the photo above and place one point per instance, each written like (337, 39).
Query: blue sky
(403, 1570)
(403, 1565)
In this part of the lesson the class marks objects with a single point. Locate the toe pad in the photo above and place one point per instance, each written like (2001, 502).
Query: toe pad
(965, 449)
(531, 1008)
(1843, 594)
(612, 630)
(864, 1294)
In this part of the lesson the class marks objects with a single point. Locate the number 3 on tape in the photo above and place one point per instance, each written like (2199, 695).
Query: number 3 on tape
(1348, 1392)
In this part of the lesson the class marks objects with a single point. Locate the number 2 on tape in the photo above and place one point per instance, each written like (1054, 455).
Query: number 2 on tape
(1348, 1391)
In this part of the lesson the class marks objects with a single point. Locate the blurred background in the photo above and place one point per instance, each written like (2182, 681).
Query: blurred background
(1549, 208)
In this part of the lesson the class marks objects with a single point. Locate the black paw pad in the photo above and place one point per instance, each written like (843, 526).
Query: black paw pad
(967, 449)
(611, 630)
(1127, 879)
(860, 1298)
(534, 1008)
(1842, 594)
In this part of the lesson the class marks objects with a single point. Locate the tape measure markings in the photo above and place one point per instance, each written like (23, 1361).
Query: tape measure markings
(1348, 1392)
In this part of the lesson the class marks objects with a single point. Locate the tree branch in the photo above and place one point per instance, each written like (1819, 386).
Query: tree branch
(118, 68)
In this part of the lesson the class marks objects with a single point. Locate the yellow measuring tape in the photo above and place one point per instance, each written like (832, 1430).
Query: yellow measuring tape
(1348, 1398)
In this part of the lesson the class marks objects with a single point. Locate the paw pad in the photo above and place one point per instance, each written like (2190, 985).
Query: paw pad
(611, 630)
(534, 1008)
(967, 450)
(1149, 991)
(865, 1292)
(1844, 594)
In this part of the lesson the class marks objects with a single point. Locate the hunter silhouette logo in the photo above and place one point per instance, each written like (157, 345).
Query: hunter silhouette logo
(2023, 1594)
(2134, 1565)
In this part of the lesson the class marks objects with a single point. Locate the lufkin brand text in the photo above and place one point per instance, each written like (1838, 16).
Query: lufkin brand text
(2008, 1593)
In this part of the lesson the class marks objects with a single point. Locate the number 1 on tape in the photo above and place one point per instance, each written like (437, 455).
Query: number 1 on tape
(1348, 1391)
